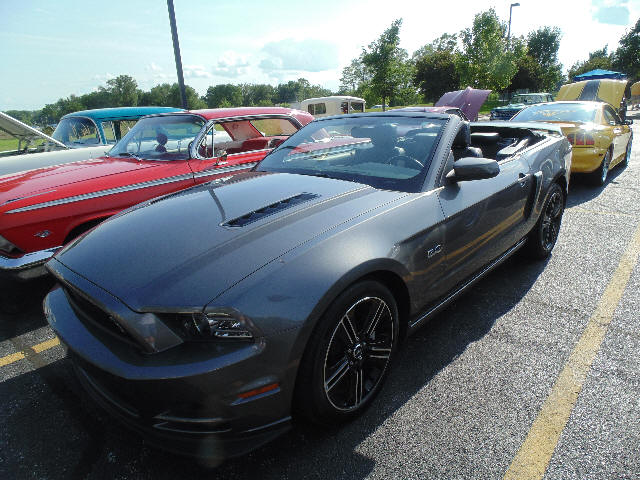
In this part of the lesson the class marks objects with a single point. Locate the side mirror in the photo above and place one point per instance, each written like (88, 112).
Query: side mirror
(628, 122)
(472, 168)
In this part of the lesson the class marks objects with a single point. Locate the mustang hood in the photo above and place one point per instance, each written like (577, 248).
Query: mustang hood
(468, 100)
(183, 250)
(603, 90)
(30, 182)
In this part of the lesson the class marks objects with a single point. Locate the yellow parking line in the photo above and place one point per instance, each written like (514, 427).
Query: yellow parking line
(534, 455)
(40, 347)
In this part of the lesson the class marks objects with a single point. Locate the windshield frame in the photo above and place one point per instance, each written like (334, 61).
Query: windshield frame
(140, 124)
(80, 145)
(410, 185)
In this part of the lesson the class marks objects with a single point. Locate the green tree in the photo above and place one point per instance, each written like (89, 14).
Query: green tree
(354, 77)
(598, 59)
(486, 60)
(385, 60)
(542, 46)
(223, 95)
(435, 67)
(158, 96)
(123, 91)
(626, 58)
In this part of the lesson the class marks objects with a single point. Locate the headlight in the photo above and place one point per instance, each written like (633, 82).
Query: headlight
(7, 246)
(216, 326)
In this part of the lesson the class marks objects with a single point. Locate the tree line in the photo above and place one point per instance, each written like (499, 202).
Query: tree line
(480, 56)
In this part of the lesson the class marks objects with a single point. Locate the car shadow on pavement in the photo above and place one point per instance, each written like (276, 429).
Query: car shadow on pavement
(21, 306)
(581, 191)
(68, 435)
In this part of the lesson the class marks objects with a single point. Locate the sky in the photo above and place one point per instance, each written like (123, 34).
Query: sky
(52, 49)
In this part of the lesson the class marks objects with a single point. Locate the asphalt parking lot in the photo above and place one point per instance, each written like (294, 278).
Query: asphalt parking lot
(535, 373)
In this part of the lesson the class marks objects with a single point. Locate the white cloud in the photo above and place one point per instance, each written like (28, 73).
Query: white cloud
(306, 55)
(231, 64)
(196, 71)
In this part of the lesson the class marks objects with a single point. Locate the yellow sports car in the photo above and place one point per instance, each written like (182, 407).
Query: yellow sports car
(600, 138)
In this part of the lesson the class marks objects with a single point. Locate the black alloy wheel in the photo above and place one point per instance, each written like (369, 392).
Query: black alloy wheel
(544, 235)
(349, 354)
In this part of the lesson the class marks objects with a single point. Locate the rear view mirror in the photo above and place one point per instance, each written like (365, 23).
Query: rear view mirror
(472, 168)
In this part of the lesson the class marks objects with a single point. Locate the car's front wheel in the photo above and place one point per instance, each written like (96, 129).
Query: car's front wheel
(544, 235)
(349, 354)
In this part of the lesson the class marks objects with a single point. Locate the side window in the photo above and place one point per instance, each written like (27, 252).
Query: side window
(109, 132)
(609, 116)
(122, 127)
(357, 107)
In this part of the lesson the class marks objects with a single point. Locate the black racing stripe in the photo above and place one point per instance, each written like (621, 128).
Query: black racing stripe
(590, 91)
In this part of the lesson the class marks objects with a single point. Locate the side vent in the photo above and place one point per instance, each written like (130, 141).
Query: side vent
(269, 210)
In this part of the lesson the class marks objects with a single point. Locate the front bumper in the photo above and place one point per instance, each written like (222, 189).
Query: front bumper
(586, 160)
(185, 399)
(30, 265)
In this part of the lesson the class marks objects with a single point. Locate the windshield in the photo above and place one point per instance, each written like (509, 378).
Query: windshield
(387, 152)
(558, 112)
(77, 132)
(527, 99)
(164, 137)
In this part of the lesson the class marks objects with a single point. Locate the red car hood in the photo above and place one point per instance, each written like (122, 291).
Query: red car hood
(33, 182)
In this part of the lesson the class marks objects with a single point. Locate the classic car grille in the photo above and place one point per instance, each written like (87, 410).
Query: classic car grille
(504, 114)
(269, 210)
(93, 315)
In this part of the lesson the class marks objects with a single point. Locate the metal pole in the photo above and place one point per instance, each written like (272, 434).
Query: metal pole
(509, 31)
(176, 51)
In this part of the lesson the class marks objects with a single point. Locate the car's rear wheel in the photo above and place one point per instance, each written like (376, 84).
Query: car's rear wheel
(349, 354)
(599, 176)
(544, 235)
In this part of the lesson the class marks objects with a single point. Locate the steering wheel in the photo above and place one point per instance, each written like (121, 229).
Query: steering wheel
(409, 162)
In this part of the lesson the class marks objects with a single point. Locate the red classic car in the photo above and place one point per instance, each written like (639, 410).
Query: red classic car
(43, 209)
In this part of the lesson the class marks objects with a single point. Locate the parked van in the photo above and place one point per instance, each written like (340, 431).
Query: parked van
(335, 105)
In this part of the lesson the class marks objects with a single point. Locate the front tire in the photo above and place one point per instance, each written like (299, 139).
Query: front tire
(544, 235)
(349, 355)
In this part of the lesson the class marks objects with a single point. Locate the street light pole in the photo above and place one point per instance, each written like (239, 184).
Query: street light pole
(176, 52)
(510, 10)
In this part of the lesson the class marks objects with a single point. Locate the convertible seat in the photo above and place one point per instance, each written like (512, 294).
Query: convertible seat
(462, 144)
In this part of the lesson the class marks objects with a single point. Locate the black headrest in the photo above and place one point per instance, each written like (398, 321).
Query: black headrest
(463, 138)
(383, 136)
(161, 138)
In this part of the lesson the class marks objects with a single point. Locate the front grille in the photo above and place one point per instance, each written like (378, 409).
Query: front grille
(504, 114)
(91, 314)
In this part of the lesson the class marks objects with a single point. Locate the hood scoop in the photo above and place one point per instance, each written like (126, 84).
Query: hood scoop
(271, 209)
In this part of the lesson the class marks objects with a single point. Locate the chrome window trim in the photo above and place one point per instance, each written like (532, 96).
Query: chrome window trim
(193, 153)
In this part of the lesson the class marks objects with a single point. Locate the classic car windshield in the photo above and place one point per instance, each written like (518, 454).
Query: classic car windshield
(165, 137)
(558, 112)
(388, 152)
(77, 132)
(527, 99)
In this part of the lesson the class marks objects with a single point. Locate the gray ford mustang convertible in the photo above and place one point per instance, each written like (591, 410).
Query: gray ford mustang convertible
(208, 318)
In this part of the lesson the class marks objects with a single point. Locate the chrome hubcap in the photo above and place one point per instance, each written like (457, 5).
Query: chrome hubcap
(358, 353)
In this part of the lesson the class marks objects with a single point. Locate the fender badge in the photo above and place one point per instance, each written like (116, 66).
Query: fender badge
(42, 234)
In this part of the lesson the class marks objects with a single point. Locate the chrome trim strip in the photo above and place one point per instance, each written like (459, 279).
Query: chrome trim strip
(470, 282)
(209, 172)
(103, 193)
(28, 260)
(128, 188)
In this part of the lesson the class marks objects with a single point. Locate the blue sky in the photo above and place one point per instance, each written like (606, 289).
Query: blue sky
(51, 49)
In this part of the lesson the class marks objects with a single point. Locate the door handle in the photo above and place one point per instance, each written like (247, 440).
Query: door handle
(522, 179)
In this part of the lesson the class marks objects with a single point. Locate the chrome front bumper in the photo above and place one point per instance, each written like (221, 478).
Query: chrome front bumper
(30, 265)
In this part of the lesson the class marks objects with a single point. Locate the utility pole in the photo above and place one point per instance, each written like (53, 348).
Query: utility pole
(509, 33)
(176, 52)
